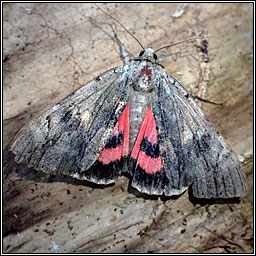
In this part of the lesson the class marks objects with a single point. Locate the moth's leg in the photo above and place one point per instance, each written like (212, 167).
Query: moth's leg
(187, 94)
(205, 100)
(123, 52)
(191, 95)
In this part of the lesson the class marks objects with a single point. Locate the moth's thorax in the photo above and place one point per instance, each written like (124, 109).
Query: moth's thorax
(146, 71)
(143, 87)
(144, 81)
(140, 97)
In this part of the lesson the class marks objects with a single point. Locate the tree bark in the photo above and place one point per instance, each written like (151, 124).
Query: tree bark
(52, 49)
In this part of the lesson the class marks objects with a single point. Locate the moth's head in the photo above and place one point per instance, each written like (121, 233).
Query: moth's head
(148, 54)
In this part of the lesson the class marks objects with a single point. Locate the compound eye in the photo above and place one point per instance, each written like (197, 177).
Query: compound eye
(155, 56)
(141, 53)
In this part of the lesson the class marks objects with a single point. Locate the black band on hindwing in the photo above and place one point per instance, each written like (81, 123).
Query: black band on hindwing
(115, 141)
(150, 149)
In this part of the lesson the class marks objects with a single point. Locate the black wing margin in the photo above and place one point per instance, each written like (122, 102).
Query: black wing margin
(192, 150)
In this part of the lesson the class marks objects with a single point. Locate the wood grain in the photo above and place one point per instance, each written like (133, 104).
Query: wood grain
(52, 49)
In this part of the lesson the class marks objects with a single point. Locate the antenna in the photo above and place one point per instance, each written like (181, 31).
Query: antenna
(121, 26)
(178, 43)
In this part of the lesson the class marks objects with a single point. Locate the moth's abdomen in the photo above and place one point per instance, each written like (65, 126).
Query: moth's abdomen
(139, 104)
(140, 99)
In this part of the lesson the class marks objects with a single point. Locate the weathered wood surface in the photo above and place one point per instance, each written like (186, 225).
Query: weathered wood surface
(52, 49)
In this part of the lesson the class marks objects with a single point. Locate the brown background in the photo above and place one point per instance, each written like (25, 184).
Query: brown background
(52, 49)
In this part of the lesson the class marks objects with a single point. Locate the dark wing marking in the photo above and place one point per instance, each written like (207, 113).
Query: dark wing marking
(113, 157)
(192, 150)
(69, 137)
(118, 144)
(146, 163)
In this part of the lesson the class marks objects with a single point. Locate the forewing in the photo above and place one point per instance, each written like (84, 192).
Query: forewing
(69, 137)
(192, 150)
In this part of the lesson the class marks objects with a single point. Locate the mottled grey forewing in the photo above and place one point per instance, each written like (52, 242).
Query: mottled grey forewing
(70, 136)
(192, 150)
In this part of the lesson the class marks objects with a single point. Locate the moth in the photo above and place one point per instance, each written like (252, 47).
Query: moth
(133, 120)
